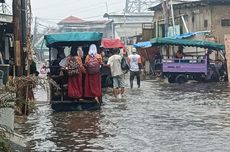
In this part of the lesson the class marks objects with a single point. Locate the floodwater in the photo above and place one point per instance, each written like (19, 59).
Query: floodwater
(159, 117)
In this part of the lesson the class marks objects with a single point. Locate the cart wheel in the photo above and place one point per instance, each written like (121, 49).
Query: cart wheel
(181, 79)
(199, 78)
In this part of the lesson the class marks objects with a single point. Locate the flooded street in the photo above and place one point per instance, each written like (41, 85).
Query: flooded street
(158, 117)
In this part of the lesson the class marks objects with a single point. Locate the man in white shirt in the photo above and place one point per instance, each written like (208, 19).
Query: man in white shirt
(118, 76)
(134, 61)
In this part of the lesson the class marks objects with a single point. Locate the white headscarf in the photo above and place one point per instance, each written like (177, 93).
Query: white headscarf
(80, 52)
(92, 50)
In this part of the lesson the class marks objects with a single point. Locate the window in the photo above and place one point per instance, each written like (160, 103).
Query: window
(205, 23)
(225, 22)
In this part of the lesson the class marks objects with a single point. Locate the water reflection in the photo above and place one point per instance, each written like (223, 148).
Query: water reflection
(157, 117)
(77, 129)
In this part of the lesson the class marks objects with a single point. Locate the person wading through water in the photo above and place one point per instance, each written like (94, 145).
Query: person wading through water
(118, 75)
(135, 65)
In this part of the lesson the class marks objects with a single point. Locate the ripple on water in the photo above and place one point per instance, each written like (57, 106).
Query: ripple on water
(157, 117)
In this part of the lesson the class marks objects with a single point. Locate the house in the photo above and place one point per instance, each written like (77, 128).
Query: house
(200, 19)
(6, 37)
(127, 25)
(75, 24)
(201, 15)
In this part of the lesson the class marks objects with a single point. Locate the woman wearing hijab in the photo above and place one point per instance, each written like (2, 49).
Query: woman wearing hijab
(75, 81)
(93, 77)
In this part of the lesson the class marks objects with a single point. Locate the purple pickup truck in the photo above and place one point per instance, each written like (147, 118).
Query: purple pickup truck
(182, 70)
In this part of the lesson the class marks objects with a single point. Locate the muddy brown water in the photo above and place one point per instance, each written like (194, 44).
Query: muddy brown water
(163, 117)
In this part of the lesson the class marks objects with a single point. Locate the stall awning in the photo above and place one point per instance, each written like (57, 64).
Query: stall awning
(189, 43)
(112, 43)
(180, 36)
(70, 37)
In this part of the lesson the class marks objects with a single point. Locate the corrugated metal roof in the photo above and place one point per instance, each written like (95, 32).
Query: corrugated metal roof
(76, 20)
(183, 42)
(185, 2)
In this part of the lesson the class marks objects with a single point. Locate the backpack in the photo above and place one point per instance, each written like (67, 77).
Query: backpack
(93, 66)
(124, 64)
(72, 67)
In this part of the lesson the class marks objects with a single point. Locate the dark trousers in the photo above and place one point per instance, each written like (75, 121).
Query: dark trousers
(132, 76)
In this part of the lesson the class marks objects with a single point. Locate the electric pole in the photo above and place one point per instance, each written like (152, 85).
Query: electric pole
(24, 27)
(166, 12)
(17, 37)
(24, 32)
(35, 31)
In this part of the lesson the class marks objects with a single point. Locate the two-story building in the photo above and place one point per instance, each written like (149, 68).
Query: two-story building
(201, 15)
(75, 24)
(128, 25)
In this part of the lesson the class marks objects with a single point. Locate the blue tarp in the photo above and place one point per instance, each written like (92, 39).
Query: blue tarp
(182, 36)
(187, 35)
(143, 44)
(179, 36)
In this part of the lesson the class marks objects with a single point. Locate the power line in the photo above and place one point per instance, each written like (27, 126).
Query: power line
(95, 5)
(92, 7)
(59, 19)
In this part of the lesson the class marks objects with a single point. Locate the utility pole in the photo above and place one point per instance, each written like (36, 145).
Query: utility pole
(166, 12)
(24, 32)
(166, 9)
(24, 27)
(107, 9)
(3, 10)
(139, 6)
(173, 20)
(35, 31)
(17, 37)
(127, 6)
(125, 30)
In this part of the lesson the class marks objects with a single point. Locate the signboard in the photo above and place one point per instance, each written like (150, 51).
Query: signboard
(6, 18)
(173, 31)
(227, 50)
(17, 53)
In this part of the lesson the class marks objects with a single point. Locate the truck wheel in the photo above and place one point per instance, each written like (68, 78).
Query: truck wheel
(199, 78)
(171, 79)
(181, 79)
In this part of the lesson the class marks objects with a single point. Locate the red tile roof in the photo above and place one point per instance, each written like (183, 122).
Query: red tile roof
(71, 19)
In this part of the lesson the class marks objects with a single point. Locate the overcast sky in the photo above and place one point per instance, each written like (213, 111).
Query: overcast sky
(55, 10)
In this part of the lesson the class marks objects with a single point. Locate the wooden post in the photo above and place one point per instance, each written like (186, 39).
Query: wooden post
(166, 9)
(227, 50)
(17, 36)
